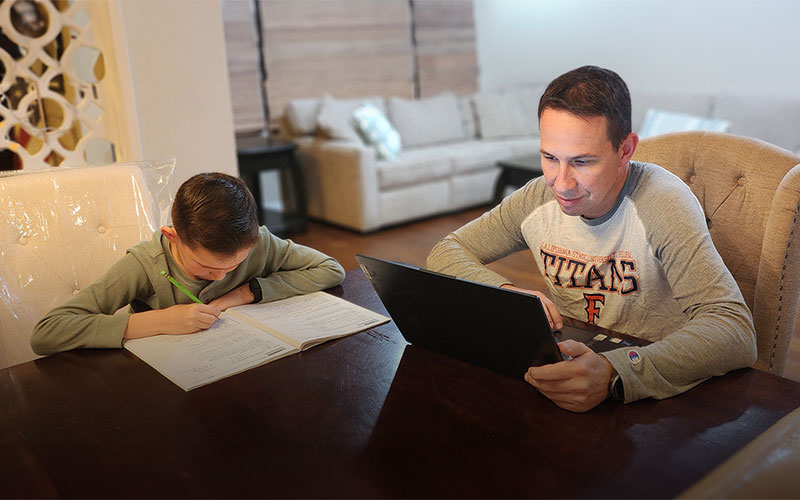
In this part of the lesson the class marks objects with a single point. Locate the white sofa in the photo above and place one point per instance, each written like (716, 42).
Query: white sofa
(451, 145)
(60, 229)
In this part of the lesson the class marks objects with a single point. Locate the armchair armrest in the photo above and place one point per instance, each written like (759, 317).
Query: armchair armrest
(342, 182)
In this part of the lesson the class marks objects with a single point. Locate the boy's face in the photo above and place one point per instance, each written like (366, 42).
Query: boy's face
(584, 171)
(200, 263)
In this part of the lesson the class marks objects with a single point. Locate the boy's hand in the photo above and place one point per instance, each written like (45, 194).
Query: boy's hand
(189, 318)
(175, 320)
(236, 297)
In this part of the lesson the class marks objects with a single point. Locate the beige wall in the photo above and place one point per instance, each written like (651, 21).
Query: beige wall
(175, 53)
(743, 45)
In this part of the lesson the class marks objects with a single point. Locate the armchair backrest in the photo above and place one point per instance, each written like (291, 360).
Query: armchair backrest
(750, 193)
(60, 229)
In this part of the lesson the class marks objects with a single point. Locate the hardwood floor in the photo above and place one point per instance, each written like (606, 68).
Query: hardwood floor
(411, 243)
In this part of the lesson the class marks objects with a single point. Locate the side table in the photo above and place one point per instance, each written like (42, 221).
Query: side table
(516, 171)
(256, 154)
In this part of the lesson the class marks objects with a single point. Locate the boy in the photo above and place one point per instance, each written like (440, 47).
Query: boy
(215, 249)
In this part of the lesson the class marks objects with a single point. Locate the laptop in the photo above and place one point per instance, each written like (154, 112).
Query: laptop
(502, 330)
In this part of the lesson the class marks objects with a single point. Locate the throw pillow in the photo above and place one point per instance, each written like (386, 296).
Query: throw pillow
(335, 120)
(658, 122)
(500, 115)
(426, 121)
(377, 131)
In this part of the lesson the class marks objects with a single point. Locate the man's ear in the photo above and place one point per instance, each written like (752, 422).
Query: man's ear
(170, 234)
(628, 147)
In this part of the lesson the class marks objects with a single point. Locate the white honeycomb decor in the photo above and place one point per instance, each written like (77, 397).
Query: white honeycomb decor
(50, 71)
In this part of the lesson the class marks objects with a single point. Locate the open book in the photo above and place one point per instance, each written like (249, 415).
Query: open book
(247, 336)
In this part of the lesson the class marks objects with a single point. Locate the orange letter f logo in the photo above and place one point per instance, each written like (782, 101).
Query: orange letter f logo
(592, 306)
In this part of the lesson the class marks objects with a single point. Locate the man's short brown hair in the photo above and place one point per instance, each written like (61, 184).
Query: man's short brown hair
(217, 212)
(591, 91)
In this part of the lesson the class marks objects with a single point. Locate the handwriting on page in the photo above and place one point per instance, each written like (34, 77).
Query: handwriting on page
(312, 316)
(228, 347)
(229, 342)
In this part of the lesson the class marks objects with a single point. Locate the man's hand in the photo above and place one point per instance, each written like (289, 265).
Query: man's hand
(553, 316)
(579, 384)
(236, 297)
(176, 320)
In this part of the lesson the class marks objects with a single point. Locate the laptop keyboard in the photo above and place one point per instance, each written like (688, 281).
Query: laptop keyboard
(597, 342)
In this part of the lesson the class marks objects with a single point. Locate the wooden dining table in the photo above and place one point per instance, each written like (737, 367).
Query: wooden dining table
(368, 415)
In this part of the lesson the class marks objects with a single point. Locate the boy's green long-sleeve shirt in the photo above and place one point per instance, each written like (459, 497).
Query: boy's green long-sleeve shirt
(88, 320)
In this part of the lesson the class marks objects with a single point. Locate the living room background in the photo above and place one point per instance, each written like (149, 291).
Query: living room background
(714, 45)
(171, 58)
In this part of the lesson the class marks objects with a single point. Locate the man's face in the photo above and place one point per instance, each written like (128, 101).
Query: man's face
(583, 170)
(200, 263)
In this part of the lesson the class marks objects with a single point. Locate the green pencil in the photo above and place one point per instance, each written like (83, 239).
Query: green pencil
(180, 287)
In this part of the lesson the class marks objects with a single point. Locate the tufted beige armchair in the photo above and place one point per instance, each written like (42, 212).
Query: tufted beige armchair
(60, 229)
(750, 192)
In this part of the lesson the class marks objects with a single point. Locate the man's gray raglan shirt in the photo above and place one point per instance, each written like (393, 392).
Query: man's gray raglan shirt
(648, 268)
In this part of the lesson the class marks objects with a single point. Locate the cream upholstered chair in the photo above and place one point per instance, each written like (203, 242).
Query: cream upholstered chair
(750, 192)
(60, 229)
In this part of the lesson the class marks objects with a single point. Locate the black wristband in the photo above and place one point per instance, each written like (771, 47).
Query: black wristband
(255, 289)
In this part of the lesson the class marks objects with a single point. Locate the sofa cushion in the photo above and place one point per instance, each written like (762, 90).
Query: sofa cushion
(302, 115)
(657, 122)
(691, 103)
(377, 131)
(473, 188)
(518, 146)
(335, 120)
(500, 115)
(478, 155)
(528, 97)
(414, 166)
(770, 117)
(431, 120)
(413, 202)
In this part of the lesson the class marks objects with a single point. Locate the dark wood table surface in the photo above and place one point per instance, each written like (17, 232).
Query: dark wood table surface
(363, 416)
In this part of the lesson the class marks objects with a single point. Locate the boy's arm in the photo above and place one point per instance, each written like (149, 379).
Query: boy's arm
(179, 319)
(291, 269)
(88, 319)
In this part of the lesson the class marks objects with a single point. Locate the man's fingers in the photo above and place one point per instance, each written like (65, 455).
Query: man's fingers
(551, 372)
(572, 347)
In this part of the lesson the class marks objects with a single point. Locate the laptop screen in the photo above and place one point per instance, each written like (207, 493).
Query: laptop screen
(501, 330)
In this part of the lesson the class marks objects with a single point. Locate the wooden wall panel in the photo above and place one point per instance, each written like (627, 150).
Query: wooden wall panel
(243, 67)
(445, 38)
(346, 48)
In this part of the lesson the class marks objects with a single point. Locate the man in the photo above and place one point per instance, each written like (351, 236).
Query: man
(620, 244)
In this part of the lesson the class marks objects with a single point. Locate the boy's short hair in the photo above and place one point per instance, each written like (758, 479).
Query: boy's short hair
(217, 212)
(591, 91)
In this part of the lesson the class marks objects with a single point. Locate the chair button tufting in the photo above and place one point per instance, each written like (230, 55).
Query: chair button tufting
(75, 292)
(740, 181)
(692, 179)
(101, 229)
(22, 240)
